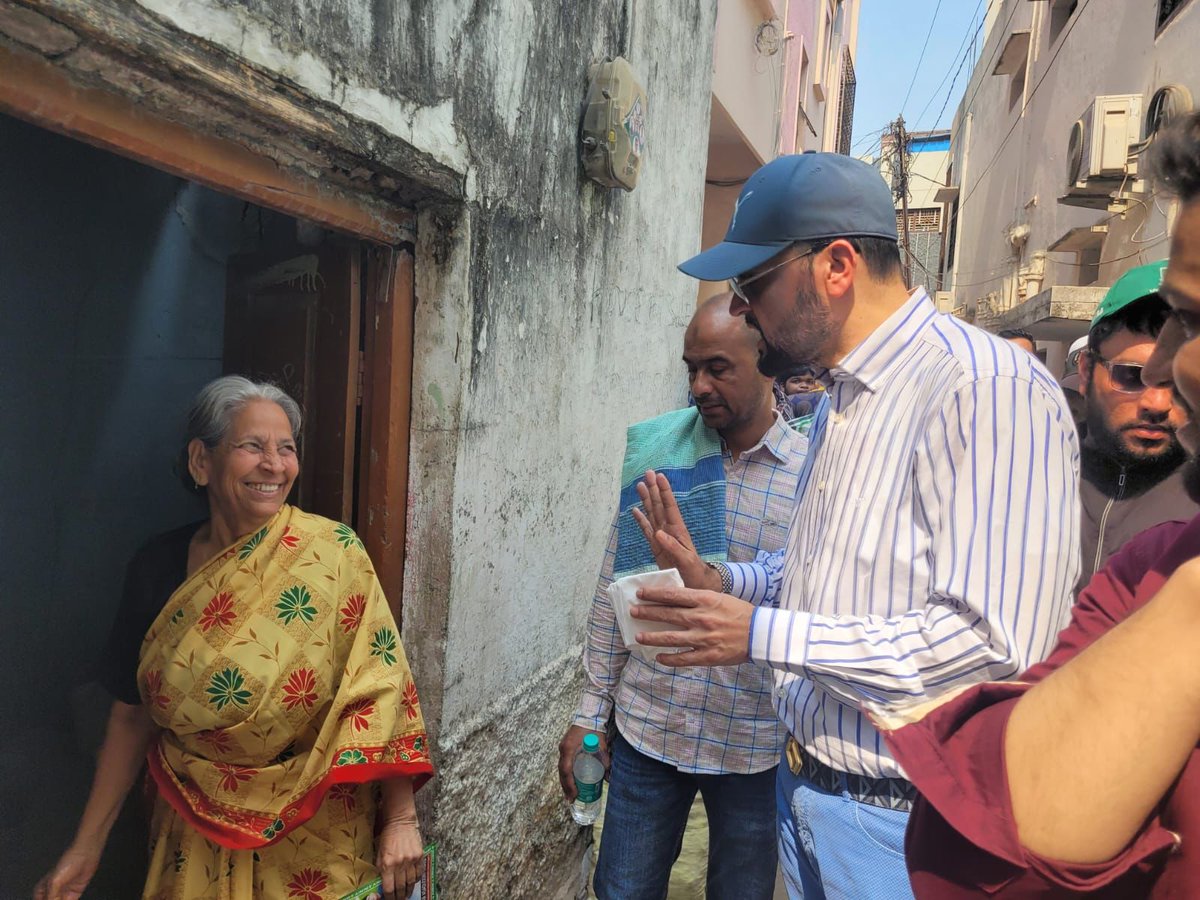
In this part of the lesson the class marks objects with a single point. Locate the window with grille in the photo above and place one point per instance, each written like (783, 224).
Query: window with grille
(845, 114)
(928, 219)
(1167, 10)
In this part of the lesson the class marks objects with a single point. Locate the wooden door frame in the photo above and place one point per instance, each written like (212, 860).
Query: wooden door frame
(37, 91)
(387, 413)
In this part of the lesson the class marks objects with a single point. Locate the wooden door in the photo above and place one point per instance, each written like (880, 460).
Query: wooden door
(294, 319)
(386, 412)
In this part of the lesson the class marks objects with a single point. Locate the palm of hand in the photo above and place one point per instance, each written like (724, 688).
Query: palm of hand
(662, 524)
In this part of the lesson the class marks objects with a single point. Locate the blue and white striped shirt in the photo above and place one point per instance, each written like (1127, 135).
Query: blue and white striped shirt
(935, 539)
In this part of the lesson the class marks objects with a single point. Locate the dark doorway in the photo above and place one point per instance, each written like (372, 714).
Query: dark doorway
(123, 290)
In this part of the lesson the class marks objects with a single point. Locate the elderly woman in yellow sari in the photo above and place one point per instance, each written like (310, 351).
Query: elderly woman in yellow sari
(259, 672)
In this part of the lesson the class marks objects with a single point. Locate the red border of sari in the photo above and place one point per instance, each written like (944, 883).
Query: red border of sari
(239, 829)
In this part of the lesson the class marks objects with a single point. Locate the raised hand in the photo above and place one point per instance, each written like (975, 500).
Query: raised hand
(662, 524)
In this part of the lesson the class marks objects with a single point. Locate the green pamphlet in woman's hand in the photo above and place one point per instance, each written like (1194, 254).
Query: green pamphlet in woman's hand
(426, 888)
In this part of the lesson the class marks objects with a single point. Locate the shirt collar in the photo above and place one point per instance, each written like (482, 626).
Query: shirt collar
(871, 362)
(775, 440)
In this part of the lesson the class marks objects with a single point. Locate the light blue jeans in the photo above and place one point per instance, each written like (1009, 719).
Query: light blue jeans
(832, 847)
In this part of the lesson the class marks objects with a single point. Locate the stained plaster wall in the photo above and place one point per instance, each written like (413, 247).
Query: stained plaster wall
(549, 316)
(557, 320)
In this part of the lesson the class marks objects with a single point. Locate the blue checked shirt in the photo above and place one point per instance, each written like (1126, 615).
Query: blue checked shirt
(936, 539)
(706, 721)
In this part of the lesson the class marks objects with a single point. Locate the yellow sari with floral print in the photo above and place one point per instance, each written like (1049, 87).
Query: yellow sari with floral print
(277, 676)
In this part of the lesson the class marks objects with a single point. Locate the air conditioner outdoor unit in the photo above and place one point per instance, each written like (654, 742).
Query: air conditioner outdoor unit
(1098, 148)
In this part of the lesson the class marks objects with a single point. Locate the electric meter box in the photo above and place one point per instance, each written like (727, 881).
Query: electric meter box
(612, 135)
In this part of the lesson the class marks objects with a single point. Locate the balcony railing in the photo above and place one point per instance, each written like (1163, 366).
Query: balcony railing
(845, 113)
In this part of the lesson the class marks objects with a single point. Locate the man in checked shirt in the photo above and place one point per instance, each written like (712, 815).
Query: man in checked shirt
(683, 730)
(935, 540)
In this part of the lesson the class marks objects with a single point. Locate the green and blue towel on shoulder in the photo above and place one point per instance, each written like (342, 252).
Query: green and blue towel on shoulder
(679, 446)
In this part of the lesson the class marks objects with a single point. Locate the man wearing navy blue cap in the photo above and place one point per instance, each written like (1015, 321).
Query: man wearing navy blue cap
(935, 540)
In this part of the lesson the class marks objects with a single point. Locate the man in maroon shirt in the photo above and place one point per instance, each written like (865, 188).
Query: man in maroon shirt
(1084, 777)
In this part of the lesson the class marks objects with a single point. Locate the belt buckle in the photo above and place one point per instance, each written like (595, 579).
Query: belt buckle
(795, 759)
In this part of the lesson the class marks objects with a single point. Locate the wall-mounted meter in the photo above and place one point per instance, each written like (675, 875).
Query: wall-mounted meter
(612, 135)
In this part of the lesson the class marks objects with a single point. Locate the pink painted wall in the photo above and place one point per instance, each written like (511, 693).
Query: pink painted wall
(801, 22)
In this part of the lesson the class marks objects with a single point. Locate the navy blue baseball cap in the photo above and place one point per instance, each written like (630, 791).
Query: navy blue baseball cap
(803, 197)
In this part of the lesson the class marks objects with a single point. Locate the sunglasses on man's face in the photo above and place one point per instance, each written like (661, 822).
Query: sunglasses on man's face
(1125, 377)
(739, 283)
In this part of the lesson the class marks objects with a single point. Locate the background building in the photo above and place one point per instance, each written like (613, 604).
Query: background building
(783, 82)
(925, 169)
(1048, 201)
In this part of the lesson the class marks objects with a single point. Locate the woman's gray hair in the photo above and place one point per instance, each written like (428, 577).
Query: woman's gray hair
(219, 401)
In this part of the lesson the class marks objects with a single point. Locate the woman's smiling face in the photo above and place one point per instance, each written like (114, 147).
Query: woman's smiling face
(249, 474)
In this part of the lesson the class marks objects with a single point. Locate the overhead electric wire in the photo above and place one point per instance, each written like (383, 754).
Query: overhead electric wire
(875, 135)
(921, 56)
(968, 41)
(999, 150)
(967, 38)
(950, 93)
(1063, 262)
(999, 45)
(993, 272)
(978, 180)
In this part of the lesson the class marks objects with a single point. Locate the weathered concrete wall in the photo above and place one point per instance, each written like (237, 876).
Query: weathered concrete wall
(557, 320)
(549, 315)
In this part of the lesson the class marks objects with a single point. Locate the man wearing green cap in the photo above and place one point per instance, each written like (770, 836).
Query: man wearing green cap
(1131, 456)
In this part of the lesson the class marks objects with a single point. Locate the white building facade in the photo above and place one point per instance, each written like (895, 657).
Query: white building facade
(1048, 202)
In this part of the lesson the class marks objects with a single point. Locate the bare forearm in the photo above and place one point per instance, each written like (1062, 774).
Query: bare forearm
(126, 740)
(1091, 750)
(396, 800)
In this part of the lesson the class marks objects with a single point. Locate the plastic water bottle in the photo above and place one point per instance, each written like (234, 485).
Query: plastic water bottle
(589, 781)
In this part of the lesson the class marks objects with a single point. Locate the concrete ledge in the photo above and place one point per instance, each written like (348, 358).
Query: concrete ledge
(1059, 313)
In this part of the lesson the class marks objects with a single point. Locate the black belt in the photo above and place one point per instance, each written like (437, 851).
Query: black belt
(888, 793)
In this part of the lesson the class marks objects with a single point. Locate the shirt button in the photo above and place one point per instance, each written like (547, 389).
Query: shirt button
(820, 485)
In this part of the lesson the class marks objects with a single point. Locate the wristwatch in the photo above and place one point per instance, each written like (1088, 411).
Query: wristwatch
(726, 576)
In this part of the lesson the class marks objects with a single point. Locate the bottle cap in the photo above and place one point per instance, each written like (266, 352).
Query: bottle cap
(591, 743)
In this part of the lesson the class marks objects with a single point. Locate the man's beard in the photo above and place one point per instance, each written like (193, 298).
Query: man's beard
(1108, 443)
(803, 335)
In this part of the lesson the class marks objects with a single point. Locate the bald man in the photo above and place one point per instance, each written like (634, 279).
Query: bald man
(680, 730)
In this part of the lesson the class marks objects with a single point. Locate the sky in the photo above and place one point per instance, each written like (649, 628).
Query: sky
(889, 59)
